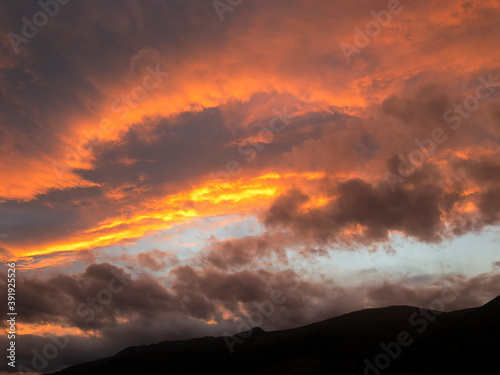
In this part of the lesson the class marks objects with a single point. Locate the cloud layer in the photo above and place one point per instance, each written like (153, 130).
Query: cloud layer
(209, 159)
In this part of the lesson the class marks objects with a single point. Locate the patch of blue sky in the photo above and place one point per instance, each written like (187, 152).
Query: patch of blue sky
(470, 255)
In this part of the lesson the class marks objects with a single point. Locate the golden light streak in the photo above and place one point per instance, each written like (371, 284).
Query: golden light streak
(46, 329)
(316, 202)
(206, 200)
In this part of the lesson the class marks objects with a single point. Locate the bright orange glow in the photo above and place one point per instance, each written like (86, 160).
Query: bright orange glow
(46, 329)
(316, 202)
(208, 199)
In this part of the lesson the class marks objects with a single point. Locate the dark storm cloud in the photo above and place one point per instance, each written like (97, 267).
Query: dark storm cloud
(244, 286)
(48, 80)
(483, 171)
(156, 313)
(415, 212)
(31, 119)
(241, 252)
(116, 30)
(40, 93)
(420, 110)
(201, 293)
(170, 151)
(489, 205)
(53, 215)
(78, 299)
(193, 144)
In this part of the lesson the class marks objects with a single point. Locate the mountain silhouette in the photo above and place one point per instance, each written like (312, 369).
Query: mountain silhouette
(391, 340)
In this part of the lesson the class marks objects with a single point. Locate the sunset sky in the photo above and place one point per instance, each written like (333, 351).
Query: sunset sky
(209, 153)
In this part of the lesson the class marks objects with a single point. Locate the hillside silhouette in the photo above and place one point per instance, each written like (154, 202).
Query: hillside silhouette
(459, 342)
